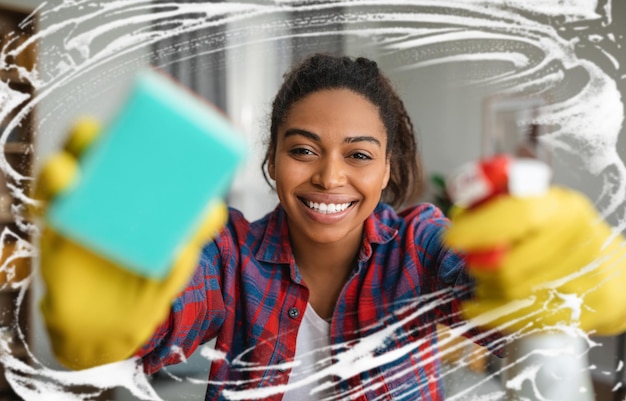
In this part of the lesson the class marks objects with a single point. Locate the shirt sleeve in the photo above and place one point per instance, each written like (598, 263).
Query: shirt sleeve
(196, 315)
(449, 276)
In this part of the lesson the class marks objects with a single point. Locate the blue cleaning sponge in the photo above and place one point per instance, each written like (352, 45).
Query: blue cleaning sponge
(146, 182)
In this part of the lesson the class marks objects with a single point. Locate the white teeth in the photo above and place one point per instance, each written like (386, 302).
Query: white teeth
(328, 208)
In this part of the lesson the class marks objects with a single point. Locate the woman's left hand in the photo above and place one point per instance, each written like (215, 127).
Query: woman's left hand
(563, 265)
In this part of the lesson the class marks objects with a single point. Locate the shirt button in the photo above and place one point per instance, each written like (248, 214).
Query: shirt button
(293, 313)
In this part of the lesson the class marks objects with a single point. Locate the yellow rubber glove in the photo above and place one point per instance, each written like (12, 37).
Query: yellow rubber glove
(563, 266)
(95, 311)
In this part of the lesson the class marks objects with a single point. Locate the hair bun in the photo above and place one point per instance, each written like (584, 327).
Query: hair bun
(370, 65)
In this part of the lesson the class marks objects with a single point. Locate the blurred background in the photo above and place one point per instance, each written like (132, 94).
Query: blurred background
(65, 59)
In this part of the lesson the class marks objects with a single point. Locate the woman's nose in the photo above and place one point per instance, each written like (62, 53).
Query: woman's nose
(331, 173)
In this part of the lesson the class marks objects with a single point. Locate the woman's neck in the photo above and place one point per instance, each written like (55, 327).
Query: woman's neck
(325, 269)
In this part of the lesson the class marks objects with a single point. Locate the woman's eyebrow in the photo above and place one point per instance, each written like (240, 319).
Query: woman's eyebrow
(298, 131)
(371, 139)
(316, 138)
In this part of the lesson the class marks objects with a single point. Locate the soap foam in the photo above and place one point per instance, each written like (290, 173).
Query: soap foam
(586, 121)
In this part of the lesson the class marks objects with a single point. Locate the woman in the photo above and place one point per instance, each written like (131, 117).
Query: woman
(333, 293)
(331, 253)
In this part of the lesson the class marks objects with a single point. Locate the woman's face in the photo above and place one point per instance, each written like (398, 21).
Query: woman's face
(330, 165)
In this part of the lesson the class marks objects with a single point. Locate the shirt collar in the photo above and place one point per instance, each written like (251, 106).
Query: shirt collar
(379, 228)
(275, 246)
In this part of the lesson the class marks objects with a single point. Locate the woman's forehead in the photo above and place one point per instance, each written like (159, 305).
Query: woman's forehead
(335, 111)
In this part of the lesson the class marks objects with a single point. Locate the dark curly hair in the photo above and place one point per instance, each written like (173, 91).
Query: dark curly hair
(361, 75)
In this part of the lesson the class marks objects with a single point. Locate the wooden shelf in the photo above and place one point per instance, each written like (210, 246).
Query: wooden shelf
(18, 147)
(6, 218)
(16, 9)
(18, 151)
(13, 77)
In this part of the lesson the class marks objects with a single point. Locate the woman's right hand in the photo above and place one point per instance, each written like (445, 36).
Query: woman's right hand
(95, 310)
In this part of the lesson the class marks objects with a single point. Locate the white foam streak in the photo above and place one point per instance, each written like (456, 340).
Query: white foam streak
(518, 60)
(31, 382)
(360, 355)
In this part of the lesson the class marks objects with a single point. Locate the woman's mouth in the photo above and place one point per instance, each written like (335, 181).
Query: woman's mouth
(327, 208)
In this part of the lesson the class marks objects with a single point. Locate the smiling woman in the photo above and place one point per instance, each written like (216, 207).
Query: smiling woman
(333, 262)
(337, 260)
(330, 166)
(331, 151)
(571, 50)
(368, 100)
(334, 294)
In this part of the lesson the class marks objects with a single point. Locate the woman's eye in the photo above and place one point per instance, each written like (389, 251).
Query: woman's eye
(360, 156)
(301, 151)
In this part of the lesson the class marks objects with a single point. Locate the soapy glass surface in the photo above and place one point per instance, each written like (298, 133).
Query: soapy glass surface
(538, 48)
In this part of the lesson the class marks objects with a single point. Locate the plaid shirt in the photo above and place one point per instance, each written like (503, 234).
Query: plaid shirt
(248, 293)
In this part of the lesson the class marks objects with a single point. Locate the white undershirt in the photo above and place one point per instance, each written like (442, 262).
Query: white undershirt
(312, 346)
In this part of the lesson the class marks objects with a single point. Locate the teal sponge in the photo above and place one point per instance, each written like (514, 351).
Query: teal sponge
(146, 183)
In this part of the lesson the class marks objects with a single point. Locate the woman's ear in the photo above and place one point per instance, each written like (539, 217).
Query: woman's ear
(387, 171)
(271, 166)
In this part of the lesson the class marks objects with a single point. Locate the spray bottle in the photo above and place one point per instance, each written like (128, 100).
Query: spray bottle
(550, 366)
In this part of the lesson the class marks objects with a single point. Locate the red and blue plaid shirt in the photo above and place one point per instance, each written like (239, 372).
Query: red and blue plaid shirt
(248, 293)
